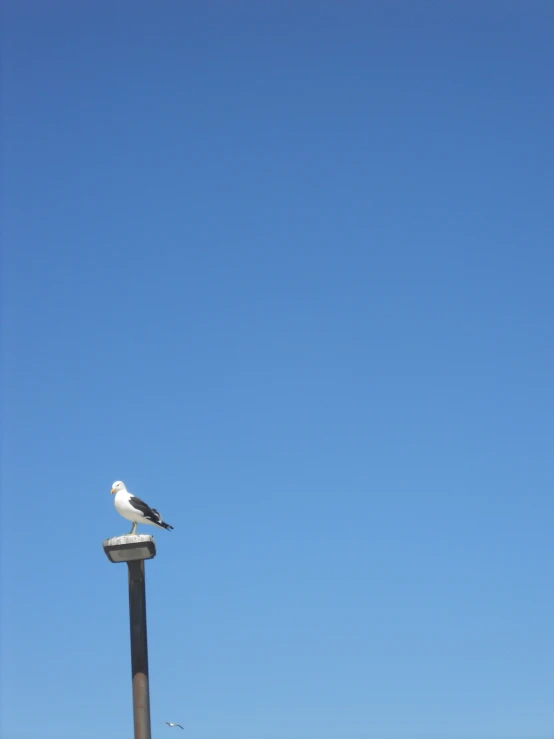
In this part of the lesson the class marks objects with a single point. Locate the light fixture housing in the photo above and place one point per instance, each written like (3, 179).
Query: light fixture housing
(130, 548)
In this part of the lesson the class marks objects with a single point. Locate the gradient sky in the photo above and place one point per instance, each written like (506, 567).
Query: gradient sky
(285, 269)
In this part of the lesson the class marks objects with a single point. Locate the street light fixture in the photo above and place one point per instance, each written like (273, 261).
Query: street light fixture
(130, 548)
(134, 549)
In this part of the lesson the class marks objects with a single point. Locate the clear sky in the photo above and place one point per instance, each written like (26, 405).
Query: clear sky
(286, 269)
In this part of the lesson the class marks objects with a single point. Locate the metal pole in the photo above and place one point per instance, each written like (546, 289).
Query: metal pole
(139, 649)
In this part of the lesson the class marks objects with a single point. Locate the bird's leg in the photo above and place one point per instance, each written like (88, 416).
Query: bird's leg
(133, 529)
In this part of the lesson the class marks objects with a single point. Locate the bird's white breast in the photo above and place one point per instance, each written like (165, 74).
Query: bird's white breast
(125, 509)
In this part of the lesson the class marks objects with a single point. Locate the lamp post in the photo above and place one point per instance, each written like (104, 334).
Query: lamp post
(134, 549)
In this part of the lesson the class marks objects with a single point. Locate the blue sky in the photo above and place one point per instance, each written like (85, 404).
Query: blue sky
(286, 270)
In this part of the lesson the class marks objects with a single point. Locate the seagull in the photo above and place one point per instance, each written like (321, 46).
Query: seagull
(170, 724)
(134, 509)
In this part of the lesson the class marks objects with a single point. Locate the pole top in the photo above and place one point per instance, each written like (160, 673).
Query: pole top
(129, 548)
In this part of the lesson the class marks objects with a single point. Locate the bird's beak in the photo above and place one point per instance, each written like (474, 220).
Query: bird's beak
(112, 491)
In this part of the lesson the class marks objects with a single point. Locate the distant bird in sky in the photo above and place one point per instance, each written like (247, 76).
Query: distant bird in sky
(134, 509)
(170, 724)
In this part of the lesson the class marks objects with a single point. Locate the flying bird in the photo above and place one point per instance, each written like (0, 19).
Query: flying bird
(135, 510)
(170, 724)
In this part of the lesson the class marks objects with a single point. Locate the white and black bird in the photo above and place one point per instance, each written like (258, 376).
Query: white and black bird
(134, 509)
(170, 724)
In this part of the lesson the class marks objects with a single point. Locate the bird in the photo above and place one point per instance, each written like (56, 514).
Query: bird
(170, 724)
(134, 509)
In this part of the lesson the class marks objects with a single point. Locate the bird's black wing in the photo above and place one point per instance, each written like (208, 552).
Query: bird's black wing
(149, 513)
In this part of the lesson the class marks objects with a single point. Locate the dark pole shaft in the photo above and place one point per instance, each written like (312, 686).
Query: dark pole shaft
(139, 650)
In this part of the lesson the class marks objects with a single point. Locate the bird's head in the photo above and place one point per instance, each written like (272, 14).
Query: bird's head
(117, 486)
